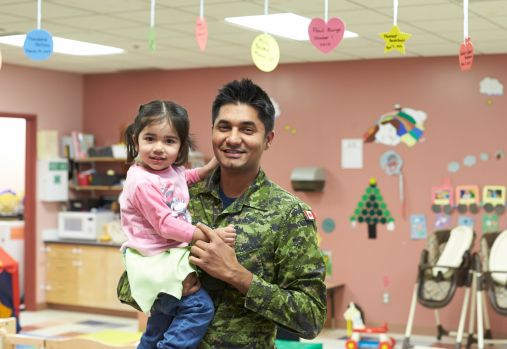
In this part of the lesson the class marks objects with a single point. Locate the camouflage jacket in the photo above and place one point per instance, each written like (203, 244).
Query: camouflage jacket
(279, 246)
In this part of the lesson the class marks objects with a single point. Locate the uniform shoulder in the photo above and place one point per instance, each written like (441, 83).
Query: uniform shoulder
(285, 198)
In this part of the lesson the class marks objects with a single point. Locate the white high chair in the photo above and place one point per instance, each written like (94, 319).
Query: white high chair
(444, 266)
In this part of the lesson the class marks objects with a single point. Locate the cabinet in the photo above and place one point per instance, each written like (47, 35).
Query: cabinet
(83, 275)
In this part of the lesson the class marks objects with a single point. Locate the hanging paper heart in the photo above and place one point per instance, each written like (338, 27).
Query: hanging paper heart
(466, 55)
(324, 36)
(265, 52)
(201, 33)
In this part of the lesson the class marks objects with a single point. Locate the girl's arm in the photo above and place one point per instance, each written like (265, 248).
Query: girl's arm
(197, 174)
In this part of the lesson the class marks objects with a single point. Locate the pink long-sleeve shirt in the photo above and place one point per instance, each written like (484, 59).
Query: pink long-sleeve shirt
(153, 207)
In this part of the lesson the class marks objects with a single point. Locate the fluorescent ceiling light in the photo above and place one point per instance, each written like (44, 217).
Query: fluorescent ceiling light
(67, 46)
(287, 25)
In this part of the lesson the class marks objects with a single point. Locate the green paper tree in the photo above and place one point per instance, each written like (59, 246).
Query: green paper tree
(372, 210)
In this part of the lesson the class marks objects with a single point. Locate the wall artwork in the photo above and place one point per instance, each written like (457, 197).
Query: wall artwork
(403, 125)
(418, 230)
(372, 210)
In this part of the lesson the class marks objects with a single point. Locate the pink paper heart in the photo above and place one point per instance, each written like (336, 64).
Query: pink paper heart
(466, 55)
(201, 33)
(324, 36)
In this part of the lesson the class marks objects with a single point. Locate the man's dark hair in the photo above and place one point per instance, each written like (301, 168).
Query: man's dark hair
(246, 92)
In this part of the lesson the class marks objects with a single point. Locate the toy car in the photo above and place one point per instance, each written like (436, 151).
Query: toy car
(356, 340)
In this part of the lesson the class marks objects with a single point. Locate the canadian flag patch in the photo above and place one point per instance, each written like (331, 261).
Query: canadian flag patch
(309, 215)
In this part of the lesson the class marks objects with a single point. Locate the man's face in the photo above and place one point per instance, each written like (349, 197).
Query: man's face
(239, 139)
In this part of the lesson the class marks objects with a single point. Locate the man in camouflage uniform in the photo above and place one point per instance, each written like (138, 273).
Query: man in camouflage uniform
(275, 274)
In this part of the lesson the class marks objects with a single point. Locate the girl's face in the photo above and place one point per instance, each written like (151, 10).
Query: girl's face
(158, 145)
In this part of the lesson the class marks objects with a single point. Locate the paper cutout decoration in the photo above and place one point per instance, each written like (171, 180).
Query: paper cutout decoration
(328, 225)
(466, 55)
(490, 223)
(38, 45)
(442, 198)
(352, 153)
(442, 220)
(201, 33)
(290, 129)
(469, 160)
(491, 87)
(402, 125)
(467, 198)
(453, 167)
(484, 156)
(265, 52)
(152, 39)
(391, 162)
(372, 210)
(395, 39)
(493, 198)
(418, 228)
(499, 155)
(466, 221)
(326, 36)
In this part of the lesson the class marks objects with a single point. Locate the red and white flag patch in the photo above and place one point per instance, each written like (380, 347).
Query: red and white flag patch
(309, 215)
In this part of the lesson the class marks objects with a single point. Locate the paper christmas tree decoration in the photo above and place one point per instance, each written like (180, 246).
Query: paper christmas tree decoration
(372, 210)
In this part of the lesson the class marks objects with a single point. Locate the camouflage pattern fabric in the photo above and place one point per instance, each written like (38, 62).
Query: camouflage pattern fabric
(279, 246)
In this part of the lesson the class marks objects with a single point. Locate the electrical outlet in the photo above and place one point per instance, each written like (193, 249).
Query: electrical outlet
(386, 297)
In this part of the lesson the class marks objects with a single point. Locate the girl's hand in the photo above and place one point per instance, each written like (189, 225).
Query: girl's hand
(191, 284)
(227, 234)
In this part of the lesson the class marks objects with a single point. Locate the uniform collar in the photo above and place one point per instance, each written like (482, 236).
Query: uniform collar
(251, 197)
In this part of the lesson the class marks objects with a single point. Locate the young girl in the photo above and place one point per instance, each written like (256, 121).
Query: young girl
(155, 219)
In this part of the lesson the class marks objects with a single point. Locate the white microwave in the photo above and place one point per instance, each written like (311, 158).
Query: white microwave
(82, 225)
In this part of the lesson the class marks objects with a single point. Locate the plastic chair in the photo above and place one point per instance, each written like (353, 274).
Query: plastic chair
(445, 265)
(491, 274)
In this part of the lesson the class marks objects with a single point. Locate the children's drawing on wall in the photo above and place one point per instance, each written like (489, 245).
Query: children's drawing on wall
(403, 125)
(442, 203)
(467, 198)
(352, 153)
(490, 223)
(418, 228)
(491, 87)
(493, 198)
(372, 210)
(442, 198)
(391, 162)
(442, 221)
(467, 221)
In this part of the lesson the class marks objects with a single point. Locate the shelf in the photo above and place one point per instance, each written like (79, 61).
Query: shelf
(100, 159)
(96, 187)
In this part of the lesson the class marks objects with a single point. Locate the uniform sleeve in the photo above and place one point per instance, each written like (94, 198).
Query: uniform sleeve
(192, 175)
(149, 202)
(298, 301)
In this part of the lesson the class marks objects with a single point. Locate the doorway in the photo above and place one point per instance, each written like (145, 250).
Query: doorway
(29, 212)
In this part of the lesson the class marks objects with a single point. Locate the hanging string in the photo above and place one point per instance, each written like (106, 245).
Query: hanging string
(325, 10)
(266, 6)
(395, 14)
(152, 14)
(39, 13)
(465, 19)
(201, 12)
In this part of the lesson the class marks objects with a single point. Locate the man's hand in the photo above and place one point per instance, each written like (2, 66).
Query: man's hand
(219, 260)
(227, 234)
(191, 284)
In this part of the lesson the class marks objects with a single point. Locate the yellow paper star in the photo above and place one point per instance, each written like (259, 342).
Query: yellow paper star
(395, 39)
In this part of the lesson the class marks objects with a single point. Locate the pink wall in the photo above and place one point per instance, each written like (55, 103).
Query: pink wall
(326, 102)
(56, 99)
